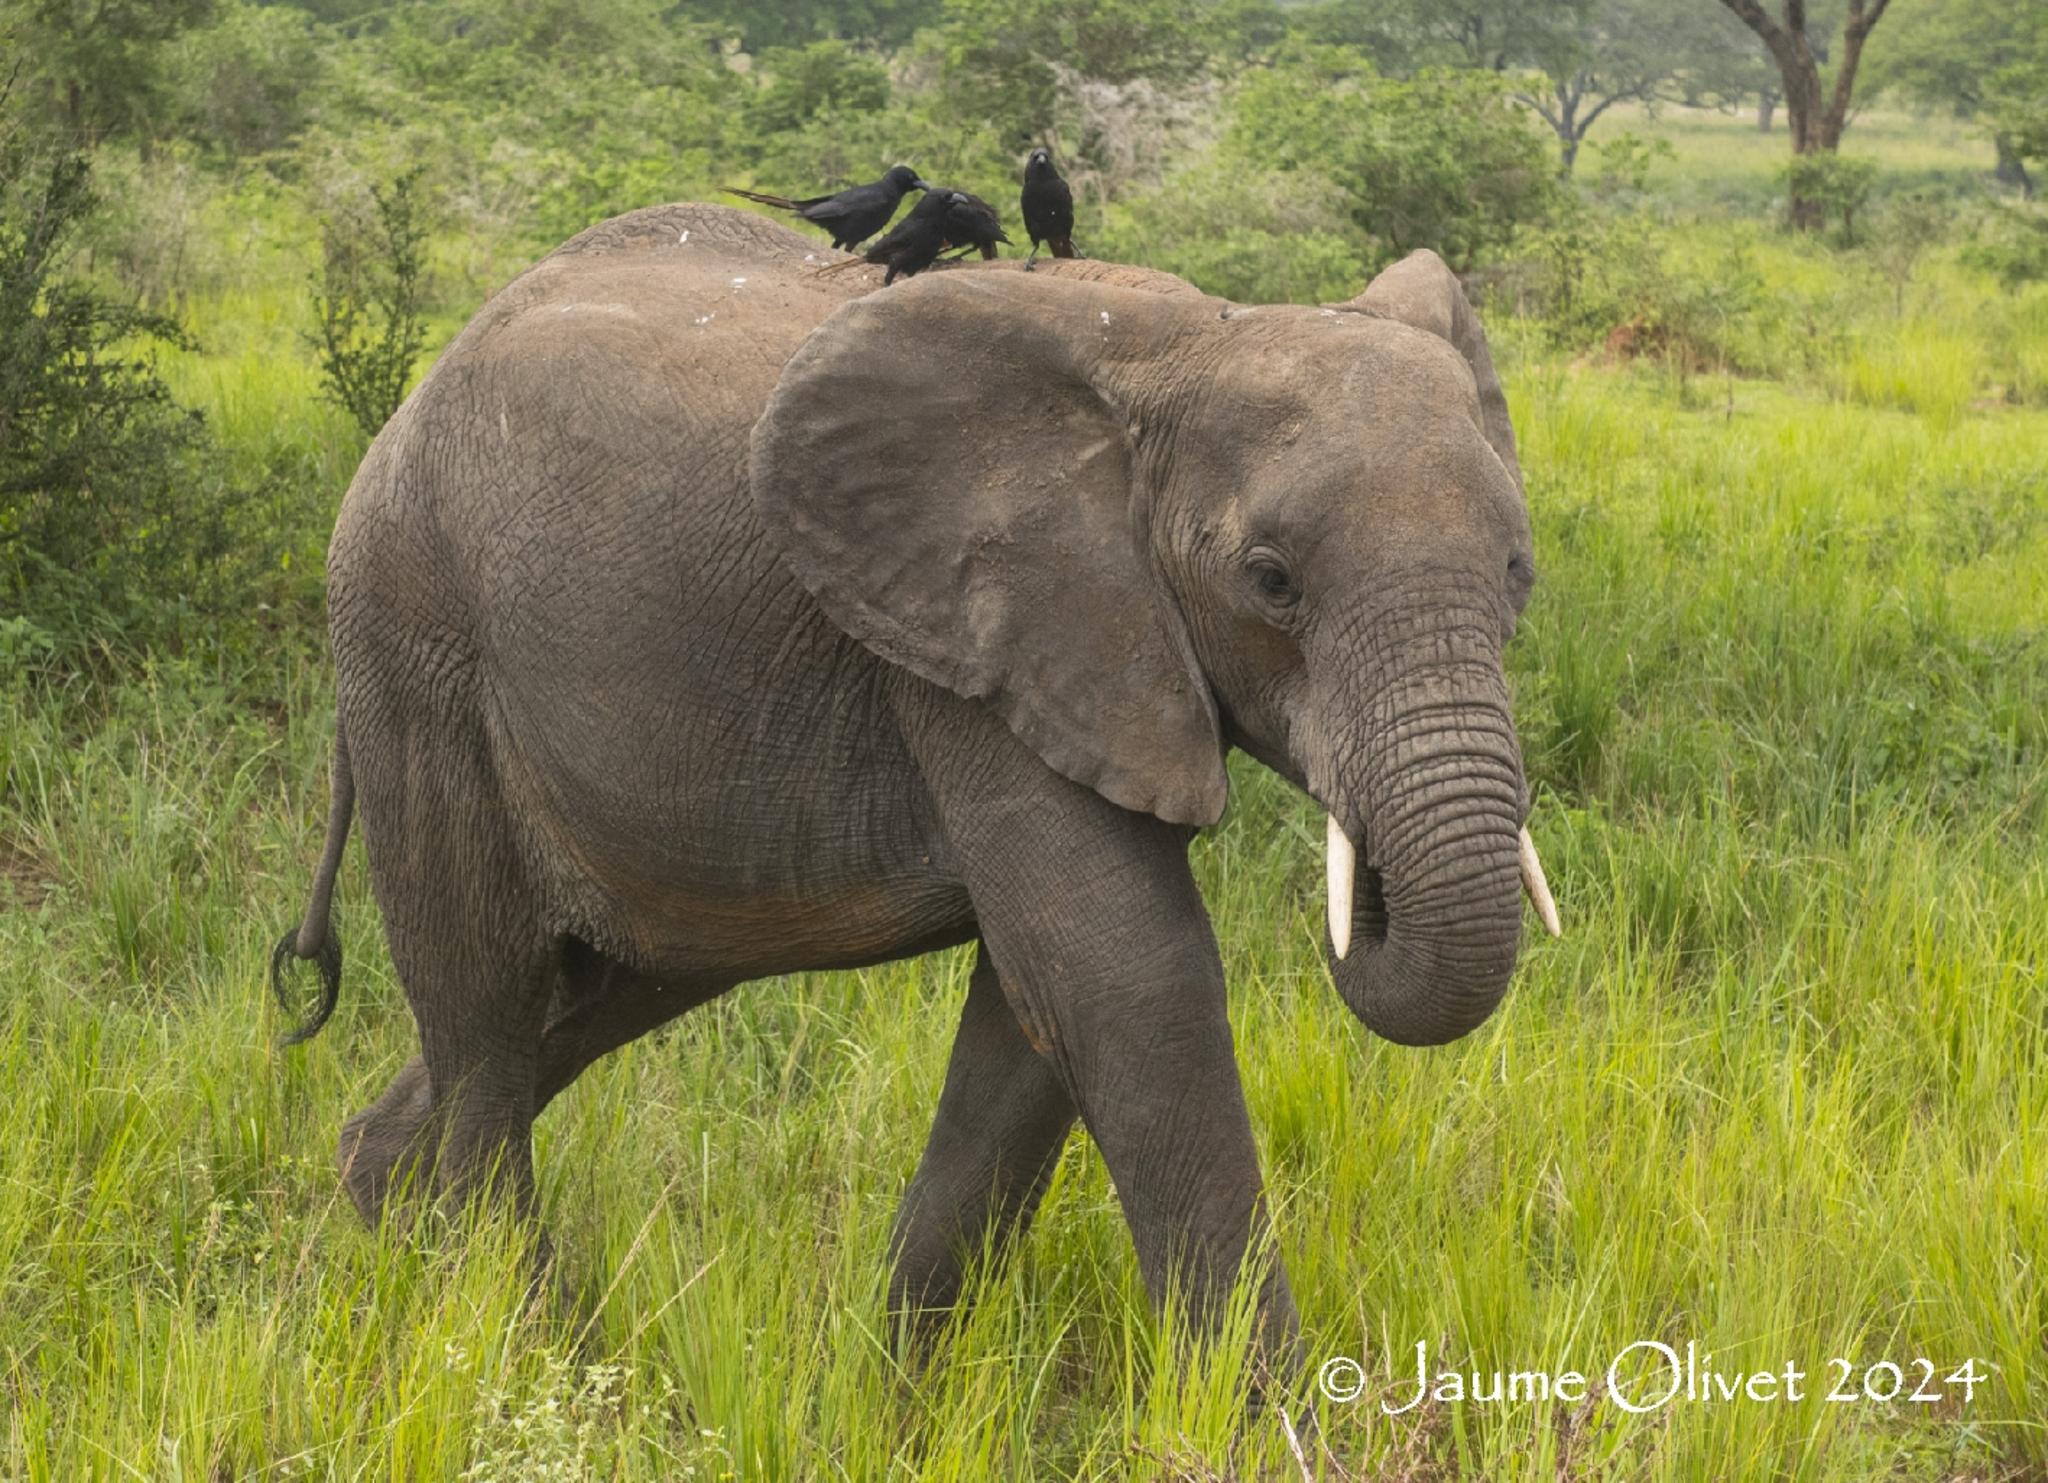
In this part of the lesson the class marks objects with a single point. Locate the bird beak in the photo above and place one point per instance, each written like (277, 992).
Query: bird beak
(923, 185)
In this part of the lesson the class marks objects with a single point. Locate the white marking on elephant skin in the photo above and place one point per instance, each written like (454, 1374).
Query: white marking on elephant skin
(1094, 451)
(707, 318)
(684, 238)
(739, 283)
(620, 311)
(1105, 316)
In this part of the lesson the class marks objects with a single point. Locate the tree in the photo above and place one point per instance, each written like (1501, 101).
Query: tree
(1716, 62)
(247, 82)
(1985, 60)
(100, 69)
(1594, 54)
(1489, 34)
(1002, 59)
(800, 83)
(1816, 121)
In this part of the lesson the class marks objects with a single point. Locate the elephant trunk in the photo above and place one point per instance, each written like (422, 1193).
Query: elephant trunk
(1427, 864)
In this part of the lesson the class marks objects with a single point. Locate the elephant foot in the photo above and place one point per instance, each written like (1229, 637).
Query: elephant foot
(385, 1145)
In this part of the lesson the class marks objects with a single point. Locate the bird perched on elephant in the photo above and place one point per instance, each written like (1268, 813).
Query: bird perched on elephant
(944, 219)
(1048, 205)
(852, 215)
(972, 224)
(699, 620)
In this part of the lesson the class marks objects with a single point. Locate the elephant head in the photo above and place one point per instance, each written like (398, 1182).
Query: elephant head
(1142, 524)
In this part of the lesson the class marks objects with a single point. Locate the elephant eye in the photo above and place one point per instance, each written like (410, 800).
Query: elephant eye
(1275, 585)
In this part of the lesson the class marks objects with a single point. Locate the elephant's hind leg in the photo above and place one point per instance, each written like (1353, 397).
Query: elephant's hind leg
(1002, 1120)
(599, 1004)
(478, 964)
(458, 1117)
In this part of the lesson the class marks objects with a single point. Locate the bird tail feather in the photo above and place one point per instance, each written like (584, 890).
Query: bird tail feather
(761, 197)
(1063, 247)
(841, 267)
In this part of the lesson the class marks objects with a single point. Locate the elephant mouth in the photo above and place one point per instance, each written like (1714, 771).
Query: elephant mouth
(1357, 899)
(1369, 907)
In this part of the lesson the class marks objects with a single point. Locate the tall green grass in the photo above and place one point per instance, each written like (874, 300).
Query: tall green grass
(1781, 1090)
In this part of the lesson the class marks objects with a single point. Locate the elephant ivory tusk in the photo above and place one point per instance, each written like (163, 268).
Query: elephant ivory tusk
(1537, 887)
(1343, 869)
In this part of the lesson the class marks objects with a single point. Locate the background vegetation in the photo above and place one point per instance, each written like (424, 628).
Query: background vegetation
(1783, 1089)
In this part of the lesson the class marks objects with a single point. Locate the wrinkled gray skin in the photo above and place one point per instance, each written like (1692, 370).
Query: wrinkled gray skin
(699, 619)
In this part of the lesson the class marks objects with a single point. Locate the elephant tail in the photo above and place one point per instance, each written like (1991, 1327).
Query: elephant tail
(315, 939)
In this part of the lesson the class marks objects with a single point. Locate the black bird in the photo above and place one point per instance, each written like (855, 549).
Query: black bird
(971, 222)
(1048, 207)
(852, 216)
(944, 218)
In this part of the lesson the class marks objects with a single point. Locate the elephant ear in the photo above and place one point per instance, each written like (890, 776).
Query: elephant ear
(946, 466)
(1421, 290)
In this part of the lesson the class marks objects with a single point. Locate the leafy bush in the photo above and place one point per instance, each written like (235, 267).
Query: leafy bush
(999, 60)
(111, 517)
(1833, 186)
(2011, 244)
(1622, 165)
(1597, 280)
(799, 83)
(372, 303)
(1440, 160)
(1908, 226)
(1263, 237)
(246, 84)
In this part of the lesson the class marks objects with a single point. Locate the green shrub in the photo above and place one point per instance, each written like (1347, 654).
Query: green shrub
(247, 83)
(1256, 237)
(2011, 244)
(1441, 160)
(1000, 62)
(1907, 227)
(371, 304)
(113, 521)
(1622, 165)
(1832, 186)
(1597, 280)
(799, 83)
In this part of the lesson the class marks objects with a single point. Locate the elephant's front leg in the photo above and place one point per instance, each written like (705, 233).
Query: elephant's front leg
(1108, 959)
(1145, 1044)
(1002, 1120)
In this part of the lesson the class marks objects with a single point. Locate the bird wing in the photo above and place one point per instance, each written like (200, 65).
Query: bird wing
(846, 203)
(971, 219)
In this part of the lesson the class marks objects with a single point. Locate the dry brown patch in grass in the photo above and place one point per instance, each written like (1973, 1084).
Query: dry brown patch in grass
(26, 879)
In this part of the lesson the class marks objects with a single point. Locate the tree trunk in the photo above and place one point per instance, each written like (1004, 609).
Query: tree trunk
(2011, 169)
(1805, 213)
(1815, 127)
(1766, 110)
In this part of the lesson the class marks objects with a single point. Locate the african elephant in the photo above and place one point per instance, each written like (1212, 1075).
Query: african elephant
(700, 618)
